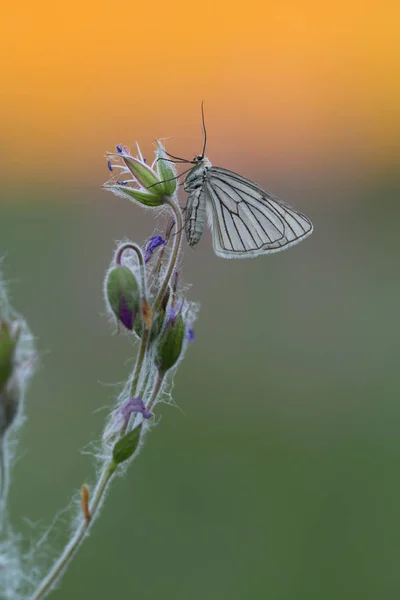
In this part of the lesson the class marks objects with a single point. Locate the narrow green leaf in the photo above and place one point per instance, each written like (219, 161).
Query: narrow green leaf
(126, 446)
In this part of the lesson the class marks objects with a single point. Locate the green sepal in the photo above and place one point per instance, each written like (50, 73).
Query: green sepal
(141, 172)
(127, 445)
(170, 344)
(166, 172)
(146, 198)
(123, 294)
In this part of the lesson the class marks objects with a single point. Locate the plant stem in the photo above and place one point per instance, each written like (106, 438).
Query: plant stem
(139, 254)
(174, 254)
(139, 360)
(109, 469)
(155, 391)
(171, 266)
(73, 545)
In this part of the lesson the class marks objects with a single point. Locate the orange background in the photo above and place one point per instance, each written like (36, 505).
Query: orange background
(298, 85)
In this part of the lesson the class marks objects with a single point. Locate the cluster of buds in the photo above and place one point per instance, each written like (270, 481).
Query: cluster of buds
(142, 294)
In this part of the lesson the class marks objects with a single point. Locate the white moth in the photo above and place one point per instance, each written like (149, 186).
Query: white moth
(245, 219)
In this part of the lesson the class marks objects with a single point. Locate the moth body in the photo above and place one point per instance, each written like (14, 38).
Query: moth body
(195, 216)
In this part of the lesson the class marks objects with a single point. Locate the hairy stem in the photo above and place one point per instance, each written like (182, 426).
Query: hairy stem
(139, 254)
(155, 391)
(109, 469)
(170, 269)
(174, 254)
(73, 545)
(139, 360)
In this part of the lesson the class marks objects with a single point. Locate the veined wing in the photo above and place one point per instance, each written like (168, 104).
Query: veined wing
(247, 220)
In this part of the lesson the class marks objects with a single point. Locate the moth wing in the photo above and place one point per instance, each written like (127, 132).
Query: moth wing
(247, 220)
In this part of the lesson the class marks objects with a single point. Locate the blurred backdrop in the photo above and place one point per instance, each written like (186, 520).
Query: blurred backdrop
(280, 477)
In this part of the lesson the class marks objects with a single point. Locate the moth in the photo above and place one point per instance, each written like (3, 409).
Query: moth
(246, 220)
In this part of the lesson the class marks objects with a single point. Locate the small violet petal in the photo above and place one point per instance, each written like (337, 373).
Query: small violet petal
(121, 182)
(173, 313)
(134, 405)
(119, 148)
(151, 245)
(109, 165)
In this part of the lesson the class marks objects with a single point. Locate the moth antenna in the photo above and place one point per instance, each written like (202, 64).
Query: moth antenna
(203, 122)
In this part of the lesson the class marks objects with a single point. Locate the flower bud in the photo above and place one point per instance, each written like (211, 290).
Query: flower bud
(123, 295)
(7, 352)
(127, 445)
(170, 342)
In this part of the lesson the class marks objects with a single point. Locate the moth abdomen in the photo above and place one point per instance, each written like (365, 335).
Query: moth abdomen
(195, 217)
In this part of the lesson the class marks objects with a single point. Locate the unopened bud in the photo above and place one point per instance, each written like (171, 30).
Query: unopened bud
(123, 295)
(170, 342)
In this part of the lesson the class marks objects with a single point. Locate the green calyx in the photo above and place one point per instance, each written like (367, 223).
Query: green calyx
(123, 294)
(143, 174)
(150, 198)
(166, 172)
(170, 344)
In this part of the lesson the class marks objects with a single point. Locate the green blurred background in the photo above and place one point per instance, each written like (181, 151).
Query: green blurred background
(279, 477)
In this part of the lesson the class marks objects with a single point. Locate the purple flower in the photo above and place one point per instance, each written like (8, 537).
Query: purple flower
(119, 148)
(151, 245)
(121, 182)
(134, 405)
(109, 165)
(173, 313)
